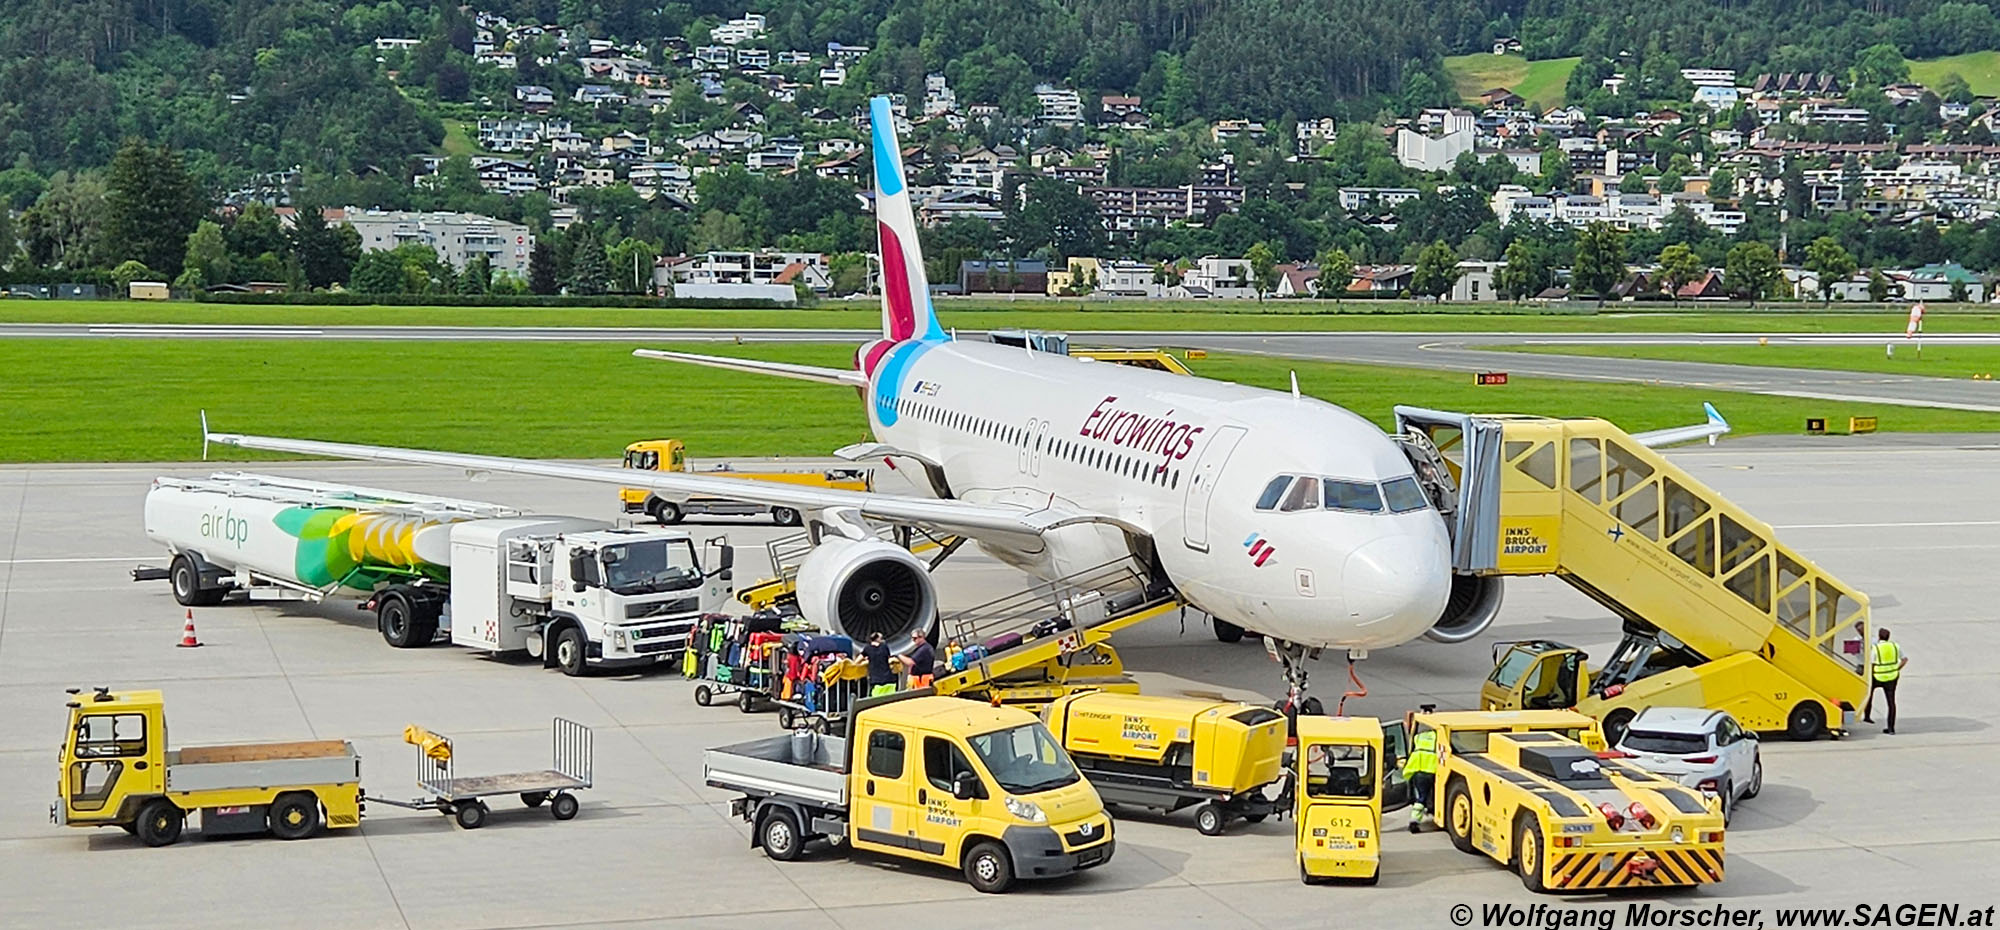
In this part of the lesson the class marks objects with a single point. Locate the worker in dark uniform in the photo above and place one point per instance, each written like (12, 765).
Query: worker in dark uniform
(881, 668)
(1885, 669)
(921, 661)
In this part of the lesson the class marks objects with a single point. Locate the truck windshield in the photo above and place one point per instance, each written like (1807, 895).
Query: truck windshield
(651, 566)
(1512, 666)
(1025, 759)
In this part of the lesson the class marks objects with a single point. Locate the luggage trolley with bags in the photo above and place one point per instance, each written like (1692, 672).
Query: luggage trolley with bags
(777, 659)
(461, 796)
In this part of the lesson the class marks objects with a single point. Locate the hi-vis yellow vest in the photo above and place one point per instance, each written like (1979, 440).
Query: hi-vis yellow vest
(1888, 661)
(1423, 754)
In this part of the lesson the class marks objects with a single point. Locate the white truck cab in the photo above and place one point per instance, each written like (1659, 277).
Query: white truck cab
(575, 592)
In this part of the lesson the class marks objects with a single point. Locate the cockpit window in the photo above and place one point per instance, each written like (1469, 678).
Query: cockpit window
(1304, 496)
(1273, 492)
(1404, 495)
(1353, 495)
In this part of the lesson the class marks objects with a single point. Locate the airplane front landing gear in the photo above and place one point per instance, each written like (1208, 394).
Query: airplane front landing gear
(1293, 657)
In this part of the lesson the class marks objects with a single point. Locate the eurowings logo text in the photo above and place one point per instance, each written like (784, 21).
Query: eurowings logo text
(1260, 549)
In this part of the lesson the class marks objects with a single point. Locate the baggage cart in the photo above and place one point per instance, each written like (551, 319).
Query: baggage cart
(462, 797)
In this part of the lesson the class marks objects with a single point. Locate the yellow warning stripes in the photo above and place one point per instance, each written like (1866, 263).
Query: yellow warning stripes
(1635, 868)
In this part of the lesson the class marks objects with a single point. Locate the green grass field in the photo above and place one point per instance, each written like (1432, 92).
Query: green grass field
(91, 400)
(1981, 71)
(1541, 83)
(457, 139)
(1937, 361)
(1294, 316)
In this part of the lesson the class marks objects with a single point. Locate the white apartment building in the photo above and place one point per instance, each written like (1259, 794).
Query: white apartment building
(456, 237)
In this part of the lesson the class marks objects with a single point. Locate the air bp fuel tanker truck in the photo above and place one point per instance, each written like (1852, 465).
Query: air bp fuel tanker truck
(574, 592)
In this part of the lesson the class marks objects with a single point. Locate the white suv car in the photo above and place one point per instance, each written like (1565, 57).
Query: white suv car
(1702, 749)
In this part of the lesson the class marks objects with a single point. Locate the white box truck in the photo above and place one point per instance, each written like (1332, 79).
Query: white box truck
(572, 591)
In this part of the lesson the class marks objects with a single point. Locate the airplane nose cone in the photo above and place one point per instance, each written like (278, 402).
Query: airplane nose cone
(1395, 587)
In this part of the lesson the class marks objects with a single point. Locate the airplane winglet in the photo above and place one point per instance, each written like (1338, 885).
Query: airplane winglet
(204, 434)
(1714, 419)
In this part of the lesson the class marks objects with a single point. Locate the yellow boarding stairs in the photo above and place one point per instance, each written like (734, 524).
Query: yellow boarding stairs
(1717, 612)
(1065, 628)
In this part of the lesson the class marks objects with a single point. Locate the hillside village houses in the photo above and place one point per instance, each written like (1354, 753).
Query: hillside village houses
(529, 143)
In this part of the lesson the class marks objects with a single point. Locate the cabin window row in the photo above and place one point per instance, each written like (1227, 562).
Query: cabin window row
(1135, 468)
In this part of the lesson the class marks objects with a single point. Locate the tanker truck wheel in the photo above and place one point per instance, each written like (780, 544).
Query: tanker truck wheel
(186, 579)
(403, 625)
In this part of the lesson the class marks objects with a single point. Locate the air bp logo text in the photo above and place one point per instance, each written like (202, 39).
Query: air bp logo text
(226, 526)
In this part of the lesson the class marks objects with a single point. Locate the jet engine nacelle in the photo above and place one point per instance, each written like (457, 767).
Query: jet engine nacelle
(857, 587)
(1474, 602)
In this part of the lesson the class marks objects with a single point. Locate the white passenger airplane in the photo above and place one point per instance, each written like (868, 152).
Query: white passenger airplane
(1272, 512)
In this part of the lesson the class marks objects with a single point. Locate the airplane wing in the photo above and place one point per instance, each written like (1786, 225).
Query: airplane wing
(951, 516)
(781, 369)
(1715, 426)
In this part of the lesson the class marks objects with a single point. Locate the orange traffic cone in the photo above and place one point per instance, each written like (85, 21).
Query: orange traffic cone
(187, 632)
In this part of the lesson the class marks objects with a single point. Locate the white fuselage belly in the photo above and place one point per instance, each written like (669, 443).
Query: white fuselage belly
(1184, 460)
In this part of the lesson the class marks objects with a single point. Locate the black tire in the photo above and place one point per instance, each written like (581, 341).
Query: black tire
(786, 718)
(1806, 722)
(1209, 819)
(1370, 880)
(988, 868)
(666, 511)
(294, 816)
(471, 814)
(185, 577)
(1615, 724)
(160, 823)
(1225, 631)
(785, 516)
(534, 798)
(745, 701)
(402, 624)
(1453, 821)
(1305, 877)
(1756, 777)
(1728, 794)
(565, 806)
(1312, 707)
(703, 695)
(571, 653)
(779, 835)
(1529, 852)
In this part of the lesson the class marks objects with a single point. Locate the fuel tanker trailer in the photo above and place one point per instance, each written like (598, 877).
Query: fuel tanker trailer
(572, 591)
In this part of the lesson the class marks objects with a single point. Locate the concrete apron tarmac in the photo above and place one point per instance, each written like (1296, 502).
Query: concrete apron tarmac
(1866, 819)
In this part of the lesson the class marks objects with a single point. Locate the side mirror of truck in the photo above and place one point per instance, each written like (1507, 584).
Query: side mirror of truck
(578, 587)
(965, 786)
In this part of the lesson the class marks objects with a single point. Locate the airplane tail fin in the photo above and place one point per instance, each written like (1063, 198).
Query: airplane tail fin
(906, 292)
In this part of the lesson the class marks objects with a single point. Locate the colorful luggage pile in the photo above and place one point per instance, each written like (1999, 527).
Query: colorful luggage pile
(780, 657)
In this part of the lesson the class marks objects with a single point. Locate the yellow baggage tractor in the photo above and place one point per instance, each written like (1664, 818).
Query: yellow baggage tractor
(1223, 758)
(1341, 790)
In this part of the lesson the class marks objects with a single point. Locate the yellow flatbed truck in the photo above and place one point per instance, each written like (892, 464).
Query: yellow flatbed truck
(1522, 788)
(1341, 787)
(671, 455)
(1716, 611)
(982, 789)
(117, 771)
(1225, 759)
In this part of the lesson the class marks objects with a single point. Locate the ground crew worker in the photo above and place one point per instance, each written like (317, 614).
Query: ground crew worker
(1421, 771)
(922, 660)
(881, 674)
(1886, 668)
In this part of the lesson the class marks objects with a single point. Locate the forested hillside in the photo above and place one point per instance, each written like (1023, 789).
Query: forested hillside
(260, 85)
